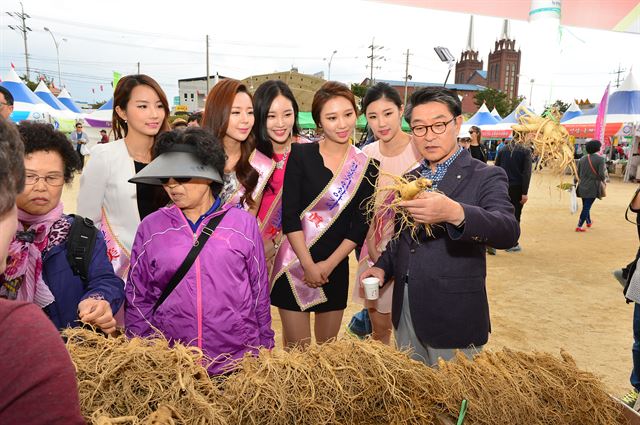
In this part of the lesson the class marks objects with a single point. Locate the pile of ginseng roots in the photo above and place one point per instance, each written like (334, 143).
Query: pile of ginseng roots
(348, 381)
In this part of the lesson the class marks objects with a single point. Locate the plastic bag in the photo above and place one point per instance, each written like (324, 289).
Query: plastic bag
(84, 150)
(574, 200)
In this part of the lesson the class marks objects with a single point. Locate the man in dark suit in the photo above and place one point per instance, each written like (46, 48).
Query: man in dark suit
(439, 299)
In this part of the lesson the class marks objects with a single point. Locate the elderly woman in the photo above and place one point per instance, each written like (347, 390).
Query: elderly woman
(43, 267)
(592, 173)
(198, 272)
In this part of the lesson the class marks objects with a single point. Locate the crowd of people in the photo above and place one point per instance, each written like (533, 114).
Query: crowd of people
(194, 229)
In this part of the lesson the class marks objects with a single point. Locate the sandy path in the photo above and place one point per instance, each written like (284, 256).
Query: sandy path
(558, 292)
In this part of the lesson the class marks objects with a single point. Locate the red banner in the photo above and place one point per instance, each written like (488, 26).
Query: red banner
(587, 131)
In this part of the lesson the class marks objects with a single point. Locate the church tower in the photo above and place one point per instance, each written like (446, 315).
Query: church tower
(504, 64)
(468, 63)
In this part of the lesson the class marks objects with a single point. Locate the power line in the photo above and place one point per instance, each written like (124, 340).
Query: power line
(407, 77)
(618, 72)
(24, 29)
(373, 57)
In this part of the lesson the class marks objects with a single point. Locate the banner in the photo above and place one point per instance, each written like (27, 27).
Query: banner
(601, 120)
(116, 78)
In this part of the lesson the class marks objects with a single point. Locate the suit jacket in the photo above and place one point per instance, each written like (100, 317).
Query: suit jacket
(446, 273)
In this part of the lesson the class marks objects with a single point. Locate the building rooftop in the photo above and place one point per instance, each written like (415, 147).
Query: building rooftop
(462, 87)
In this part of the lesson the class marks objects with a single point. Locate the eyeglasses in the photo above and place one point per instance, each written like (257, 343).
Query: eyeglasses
(180, 180)
(437, 128)
(51, 180)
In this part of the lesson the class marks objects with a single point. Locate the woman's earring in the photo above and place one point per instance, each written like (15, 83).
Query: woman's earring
(125, 121)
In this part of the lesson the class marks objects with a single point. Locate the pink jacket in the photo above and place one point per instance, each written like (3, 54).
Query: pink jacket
(221, 305)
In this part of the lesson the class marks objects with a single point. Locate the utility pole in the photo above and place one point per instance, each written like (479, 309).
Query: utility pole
(373, 57)
(138, 68)
(208, 82)
(618, 72)
(21, 16)
(407, 77)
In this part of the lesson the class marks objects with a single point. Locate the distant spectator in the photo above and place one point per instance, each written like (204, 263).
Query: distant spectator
(78, 139)
(501, 145)
(195, 119)
(6, 103)
(178, 124)
(591, 173)
(104, 138)
(516, 162)
(477, 150)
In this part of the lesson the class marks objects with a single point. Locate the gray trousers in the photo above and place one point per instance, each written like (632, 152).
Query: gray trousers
(406, 337)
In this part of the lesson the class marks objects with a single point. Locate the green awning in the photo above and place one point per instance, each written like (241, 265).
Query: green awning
(362, 123)
(305, 120)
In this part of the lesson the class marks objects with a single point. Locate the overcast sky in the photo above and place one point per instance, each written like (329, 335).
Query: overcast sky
(257, 37)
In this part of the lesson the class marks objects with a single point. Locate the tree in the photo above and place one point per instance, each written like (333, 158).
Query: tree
(33, 84)
(559, 105)
(515, 103)
(494, 99)
(358, 90)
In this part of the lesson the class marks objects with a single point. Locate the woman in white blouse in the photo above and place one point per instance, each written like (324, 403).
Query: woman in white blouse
(106, 197)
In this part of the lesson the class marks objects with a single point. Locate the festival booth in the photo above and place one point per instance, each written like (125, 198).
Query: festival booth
(502, 129)
(572, 112)
(65, 118)
(102, 117)
(623, 110)
(486, 121)
(26, 105)
(65, 98)
(496, 114)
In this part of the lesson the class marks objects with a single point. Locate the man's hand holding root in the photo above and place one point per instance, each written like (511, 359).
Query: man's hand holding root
(433, 208)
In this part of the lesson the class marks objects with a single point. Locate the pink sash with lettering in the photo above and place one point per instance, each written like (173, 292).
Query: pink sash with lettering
(315, 220)
(264, 166)
(271, 226)
(118, 255)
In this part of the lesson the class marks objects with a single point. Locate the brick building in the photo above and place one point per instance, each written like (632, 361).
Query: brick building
(503, 65)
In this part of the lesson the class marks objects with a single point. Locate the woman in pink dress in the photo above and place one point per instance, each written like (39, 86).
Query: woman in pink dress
(397, 154)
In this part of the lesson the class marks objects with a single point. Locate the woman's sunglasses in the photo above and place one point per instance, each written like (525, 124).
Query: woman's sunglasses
(181, 180)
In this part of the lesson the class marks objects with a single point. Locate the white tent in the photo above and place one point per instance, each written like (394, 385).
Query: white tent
(26, 105)
(65, 118)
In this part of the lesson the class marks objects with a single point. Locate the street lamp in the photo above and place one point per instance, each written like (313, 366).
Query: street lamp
(57, 53)
(330, 59)
(445, 56)
(531, 91)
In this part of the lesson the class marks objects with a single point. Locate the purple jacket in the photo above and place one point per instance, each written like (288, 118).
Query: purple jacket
(221, 305)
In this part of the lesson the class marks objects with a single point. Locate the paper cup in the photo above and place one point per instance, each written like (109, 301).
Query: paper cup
(371, 288)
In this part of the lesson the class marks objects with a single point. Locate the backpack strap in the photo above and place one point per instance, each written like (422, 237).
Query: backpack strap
(177, 277)
(80, 244)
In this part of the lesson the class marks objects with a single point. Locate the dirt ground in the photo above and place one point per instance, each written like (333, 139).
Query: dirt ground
(558, 292)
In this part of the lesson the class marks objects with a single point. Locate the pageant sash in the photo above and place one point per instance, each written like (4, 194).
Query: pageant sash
(383, 222)
(264, 166)
(316, 219)
(118, 255)
(271, 226)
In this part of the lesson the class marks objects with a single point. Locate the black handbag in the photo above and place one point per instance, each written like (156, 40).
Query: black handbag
(207, 231)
